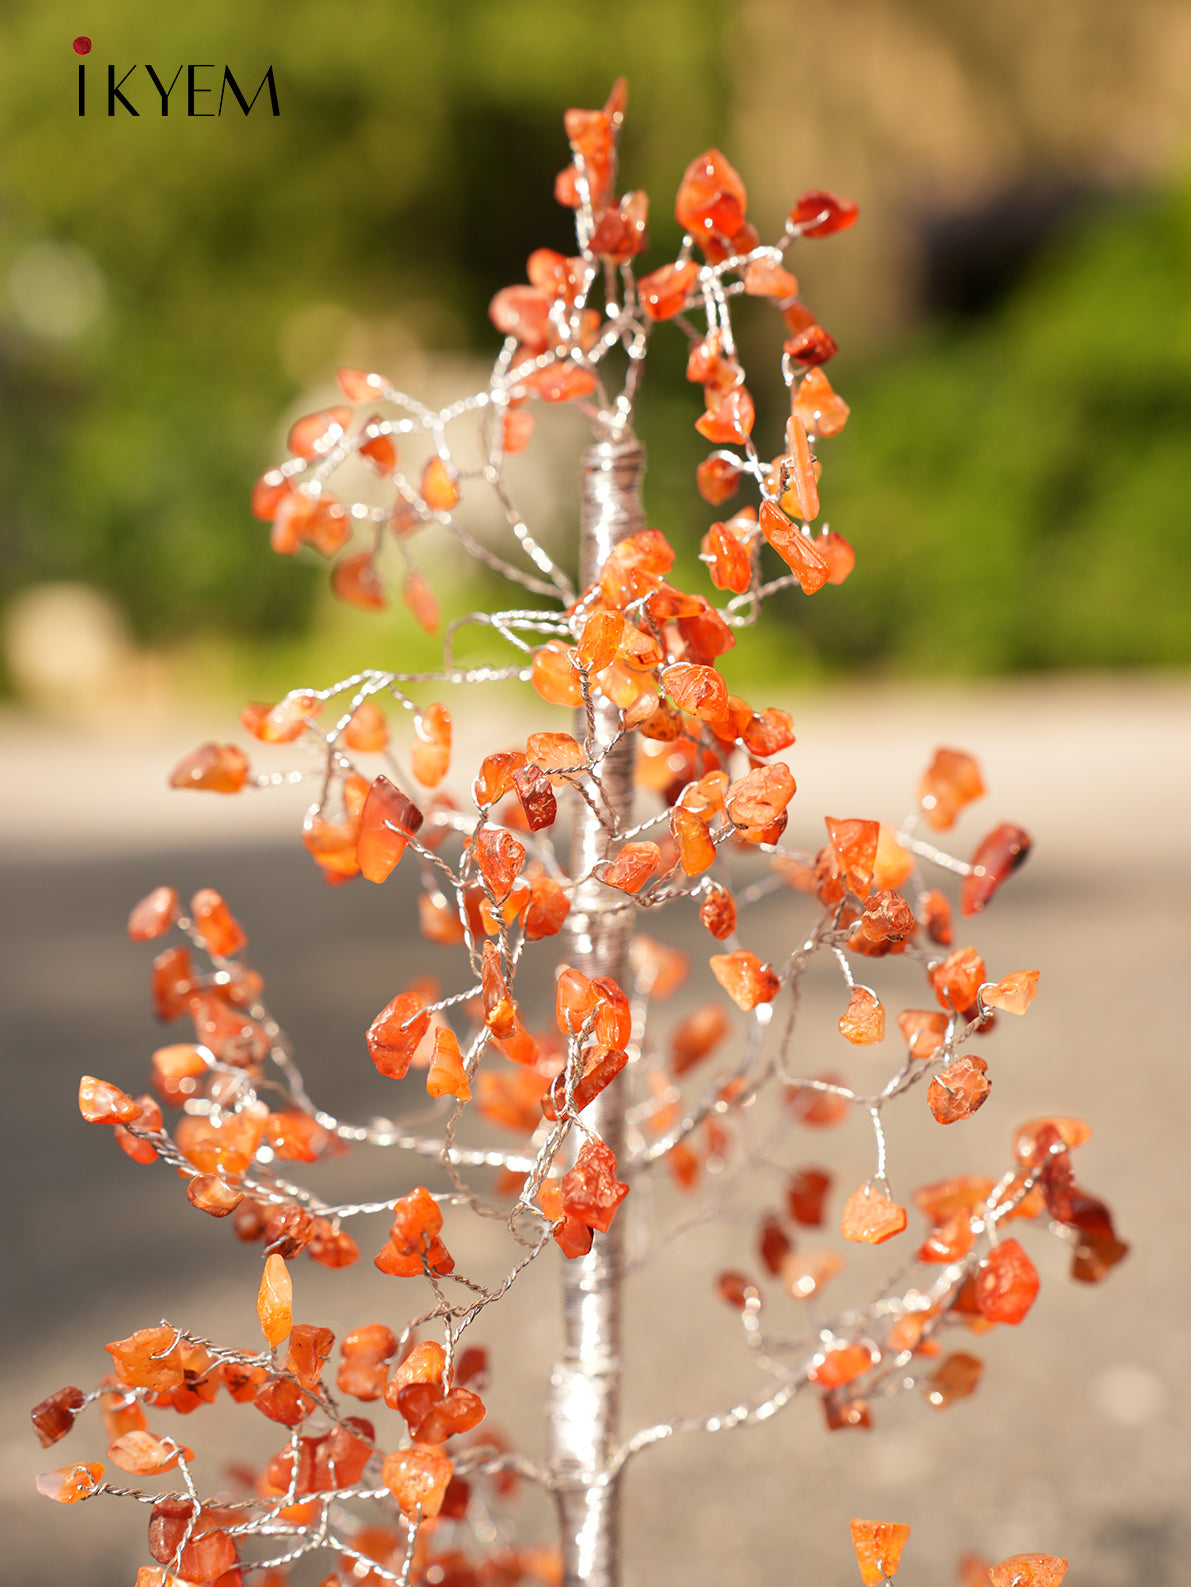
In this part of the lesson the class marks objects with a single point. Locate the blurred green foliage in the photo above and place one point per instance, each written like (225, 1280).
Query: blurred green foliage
(1015, 487)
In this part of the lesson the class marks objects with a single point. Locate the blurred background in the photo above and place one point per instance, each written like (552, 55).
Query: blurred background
(1015, 324)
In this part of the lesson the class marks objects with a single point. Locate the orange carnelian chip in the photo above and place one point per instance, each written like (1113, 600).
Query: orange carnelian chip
(217, 768)
(366, 730)
(696, 689)
(759, 797)
(1028, 1570)
(717, 912)
(838, 555)
(590, 1191)
(804, 1273)
(103, 1103)
(154, 915)
(499, 857)
(420, 601)
(729, 562)
(599, 1071)
(414, 1242)
(446, 1075)
(892, 864)
(417, 1478)
(620, 233)
(1006, 1283)
(951, 781)
(317, 433)
(800, 497)
(275, 1301)
(958, 978)
(317, 520)
(387, 822)
(1013, 993)
(864, 1021)
(499, 1013)
(1027, 1138)
(818, 214)
(817, 405)
(870, 1217)
(394, 1034)
(212, 1194)
(553, 675)
(69, 1484)
(439, 490)
(955, 1378)
(947, 1197)
(854, 844)
(215, 924)
(600, 640)
(307, 1353)
(711, 197)
(696, 1036)
(664, 292)
(729, 417)
(957, 1091)
(995, 860)
(763, 278)
(797, 550)
(54, 1416)
(632, 867)
(806, 1190)
(925, 1031)
(692, 835)
(745, 979)
(843, 1364)
(769, 732)
(430, 754)
(878, 1546)
(364, 1355)
(151, 1358)
(717, 478)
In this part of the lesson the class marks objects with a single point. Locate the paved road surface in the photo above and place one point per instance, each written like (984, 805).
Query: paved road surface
(1078, 1440)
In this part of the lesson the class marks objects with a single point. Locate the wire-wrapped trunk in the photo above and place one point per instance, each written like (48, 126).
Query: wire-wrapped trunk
(584, 1397)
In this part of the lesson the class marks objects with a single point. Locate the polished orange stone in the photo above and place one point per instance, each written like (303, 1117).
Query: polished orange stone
(659, 968)
(696, 850)
(141, 1151)
(797, 550)
(354, 580)
(318, 433)
(717, 478)
(864, 1020)
(524, 313)
(773, 1244)
(948, 1240)
(759, 797)
(414, 1242)
(763, 278)
(958, 978)
(1030, 1139)
(572, 1236)
(878, 1544)
(69, 1484)
(599, 640)
(620, 233)
(1028, 1570)
(800, 475)
(957, 1091)
(696, 1036)
(281, 723)
(838, 555)
(394, 1034)
(729, 416)
(1006, 1283)
(103, 1103)
(212, 1194)
(1014, 993)
(590, 1191)
(364, 1356)
(308, 1351)
(804, 1273)
(417, 1478)
(495, 777)
(499, 857)
(632, 867)
(319, 521)
(955, 1378)
(664, 293)
(54, 1416)
(994, 862)
(366, 730)
(216, 768)
(516, 431)
(745, 978)
(554, 676)
(870, 1217)
(145, 1454)
(499, 1012)
(430, 753)
(208, 1553)
(717, 912)
(275, 1301)
(420, 601)
(737, 1289)
(854, 844)
(769, 732)
(924, 1030)
(819, 213)
(547, 908)
(806, 1191)
(446, 1076)
(387, 822)
(950, 782)
(729, 562)
(153, 916)
(698, 690)
(602, 1065)
(843, 1364)
(817, 405)
(936, 916)
(440, 491)
(711, 197)
(150, 1358)
(216, 925)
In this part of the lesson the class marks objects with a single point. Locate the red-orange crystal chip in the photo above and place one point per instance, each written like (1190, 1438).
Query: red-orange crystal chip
(387, 822)
(818, 214)
(924, 1029)
(664, 292)
(446, 1076)
(599, 1072)
(870, 1217)
(275, 1301)
(717, 912)
(430, 753)
(692, 836)
(54, 1416)
(102, 1103)
(994, 862)
(366, 730)
(364, 1355)
(394, 1034)
(1028, 1570)
(216, 925)
(499, 1013)
(553, 676)
(955, 1378)
(759, 797)
(745, 979)
(69, 1484)
(951, 781)
(840, 1365)
(878, 1544)
(696, 689)
(854, 844)
(633, 866)
(1006, 1283)
(591, 1191)
(797, 550)
(414, 1238)
(957, 1091)
(154, 915)
(806, 1191)
(212, 1194)
(717, 478)
(1014, 993)
(150, 1358)
(864, 1021)
(821, 410)
(711, 197)
(217, 768)
(417, 1478)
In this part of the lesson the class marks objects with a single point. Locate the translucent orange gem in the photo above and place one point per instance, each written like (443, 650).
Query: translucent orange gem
(892, 864)
(620, 233)
(414, 1238)
(600, 640)
(355, 580)
(394, 1034)
(516, 431)
(151, 1358)
(696, 1036)
(366, 730)
(994, 862)
(364, 1355)
(1006, 1283)
(318, 433)
(804, 1273)
(217, 768)
(315, 520)
(417, 1478)
(601, 1068)
(700, 691)
(844, 1364)
(936, 917)
(1028, 1137)
(809, 343)
(1014, 993)
(212, 1194)
(760, 796)
(729, 417)
(806, 1191)
(308, 1351)
(553, 676)
(765, 279)
(819, 408)
(957, 980)
(419, 600)
(800, 497)
(696, 851)
(500, 858)
(387, 822)
(633, 866)
(854, 844)
(797, 551)
(717, 478)
(1028, 1570)
(745, 979)
(439, 490)
(818, 214)
(590, 1191)
(870, 1217)
(446, 1075)
(924, 1030)
(878, 1546)
(957, 1091)
(711, 197)
(864, 1021)
(717, 912)
(951, 781)
(547, 909)
(144, 1454)
(769, 732)
(216, 925)
(54, 1416)
(430, 753)
(955, 1378)
(102, 1103)
(154, 915)
(69, 1484)
(664, 292)
(275, 1301)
